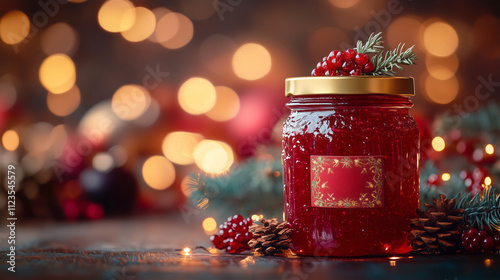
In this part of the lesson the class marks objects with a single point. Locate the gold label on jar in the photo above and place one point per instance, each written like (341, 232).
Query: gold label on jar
(347, 181)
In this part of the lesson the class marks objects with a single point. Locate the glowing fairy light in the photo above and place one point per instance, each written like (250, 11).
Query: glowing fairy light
(186, 251)
(487, 181)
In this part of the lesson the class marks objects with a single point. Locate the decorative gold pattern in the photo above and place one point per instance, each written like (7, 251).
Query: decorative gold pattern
(373, 197)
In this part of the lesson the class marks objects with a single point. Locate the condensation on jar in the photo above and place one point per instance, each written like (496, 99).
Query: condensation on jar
(350, 158)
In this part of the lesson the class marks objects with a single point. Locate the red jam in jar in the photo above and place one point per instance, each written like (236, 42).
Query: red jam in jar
(350, 159)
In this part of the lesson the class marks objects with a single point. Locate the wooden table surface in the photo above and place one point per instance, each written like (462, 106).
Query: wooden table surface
(145, 248)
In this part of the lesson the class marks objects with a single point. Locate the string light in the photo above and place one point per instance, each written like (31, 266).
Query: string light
(186, 251)
(487, 181)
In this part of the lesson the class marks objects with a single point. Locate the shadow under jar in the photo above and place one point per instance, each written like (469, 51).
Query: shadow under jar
(350, 157)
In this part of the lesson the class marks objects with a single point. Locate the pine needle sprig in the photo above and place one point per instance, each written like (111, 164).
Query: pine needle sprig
(480, 212)
(385, 62)
(374, 44)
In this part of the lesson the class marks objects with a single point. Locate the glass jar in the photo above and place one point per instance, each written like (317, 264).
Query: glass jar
(350, 158)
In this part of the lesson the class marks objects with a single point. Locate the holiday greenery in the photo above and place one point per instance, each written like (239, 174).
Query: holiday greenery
(355, 62)
(254, 187)
(481, 211)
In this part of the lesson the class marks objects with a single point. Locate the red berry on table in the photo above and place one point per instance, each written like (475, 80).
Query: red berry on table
(488, 243)
(361, 59)
(347, 66)
(342, 73)
(329, 73)
(368, 67)
(248, 236)
(355, 72)
(240, 238)
(473, 248)
(351, 54)
(217, 241)
(234, 249)
(237, 218)
(248, 221)
(332, 54)
(231, 233)
(324, 58)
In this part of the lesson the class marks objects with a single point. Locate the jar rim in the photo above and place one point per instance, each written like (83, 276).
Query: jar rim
(349, 85)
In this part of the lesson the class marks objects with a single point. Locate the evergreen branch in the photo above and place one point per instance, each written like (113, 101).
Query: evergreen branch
(480, 212)
(385, 62)
(374, 44)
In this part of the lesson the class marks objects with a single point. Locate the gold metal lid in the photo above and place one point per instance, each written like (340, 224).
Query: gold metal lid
(349, 85)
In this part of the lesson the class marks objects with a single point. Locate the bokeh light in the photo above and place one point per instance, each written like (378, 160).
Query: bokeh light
(65, 103)
(144, 25)
(174, 31)
(440, 38)
(14, 27)
(197, 96)
(102, 162)
(179, 146)
(59, 38)
(100, 122)
(404, 29)
(446, 177)
(119, 154)
(213, 156)
(251, 61)
(226, 106)
(130, 101)
(10, 140)
(438, 143)
(197, 9)
(116, 15)
(487, 181)
(158, 172)
(343, 4)
(209, 226)
(38, 138)
(166, 28)
(150, 116)
(441, 68)
(57, 73)
(158, 13)
(441, 91)
(489, 149)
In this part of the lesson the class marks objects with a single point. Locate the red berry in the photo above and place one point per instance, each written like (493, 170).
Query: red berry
(248, 222)
(351, 54)
(347, 66)
(248, 236)
(473, 248)
(240, 238)
(482, 234)
(342, 73)
(324, 58)
(355, 72)
(332, 54)
(224, 232)
(341, 56)
(472, 232)
(361, 59)
(329, 73)
(476, 241)
(237, 218)
(336, 63)
(327, 65)
(231, 233)
(488, 243)
(217, 241)
(234, 249)
(368, 67)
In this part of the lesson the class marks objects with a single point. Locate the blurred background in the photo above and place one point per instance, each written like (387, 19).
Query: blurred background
(108, 107)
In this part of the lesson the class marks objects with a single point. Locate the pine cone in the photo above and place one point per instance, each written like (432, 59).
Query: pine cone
(270, 238)
(438, 229)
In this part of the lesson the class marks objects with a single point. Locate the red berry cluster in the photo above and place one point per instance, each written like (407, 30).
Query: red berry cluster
(344, 63)
(233, 235)
(474, 241)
